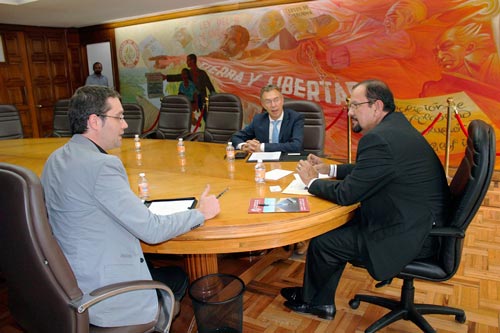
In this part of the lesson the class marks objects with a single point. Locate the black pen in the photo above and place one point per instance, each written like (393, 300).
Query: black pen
(262, 205)
(221, 193)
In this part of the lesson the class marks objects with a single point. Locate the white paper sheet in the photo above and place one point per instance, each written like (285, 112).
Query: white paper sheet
(277, 174)
(170, 207)
(265, 156)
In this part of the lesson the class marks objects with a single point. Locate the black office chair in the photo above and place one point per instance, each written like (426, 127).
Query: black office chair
(61, 120)
(10, 123)
(174, 119)
(43, 294)
(314, 124)
(468, 188)
(224, 118)
(134, 116)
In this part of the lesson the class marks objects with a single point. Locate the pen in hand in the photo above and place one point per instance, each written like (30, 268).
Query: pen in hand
(221, 193)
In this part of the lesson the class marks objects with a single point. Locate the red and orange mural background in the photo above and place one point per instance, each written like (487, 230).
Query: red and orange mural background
(426, 50)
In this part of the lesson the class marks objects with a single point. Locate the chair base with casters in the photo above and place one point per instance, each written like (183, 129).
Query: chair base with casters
(406, 309)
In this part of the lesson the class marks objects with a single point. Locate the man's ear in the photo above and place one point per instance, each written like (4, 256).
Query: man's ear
(94, 121)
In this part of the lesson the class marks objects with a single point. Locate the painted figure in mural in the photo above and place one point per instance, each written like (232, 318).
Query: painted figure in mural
(199, 77)
(390, 41)
(188, 88)
(277, 129)
(467, 51)
(274, 33)
(97, 78)
(400, 201)
(233, 45)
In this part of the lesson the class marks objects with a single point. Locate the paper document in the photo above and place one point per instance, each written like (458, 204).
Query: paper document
(265, 156)
(170, 206)
(277, 174)
(296, 187)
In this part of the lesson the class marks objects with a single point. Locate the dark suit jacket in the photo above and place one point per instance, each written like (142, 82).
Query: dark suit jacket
(291, 133)
(402, 188)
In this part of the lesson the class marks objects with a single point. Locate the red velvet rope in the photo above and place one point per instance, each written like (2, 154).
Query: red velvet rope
(457, 115)
(335, 120)
(199, 119)
(432, 124)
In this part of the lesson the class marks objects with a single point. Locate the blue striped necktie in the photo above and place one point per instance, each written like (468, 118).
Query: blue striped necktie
(276, 132)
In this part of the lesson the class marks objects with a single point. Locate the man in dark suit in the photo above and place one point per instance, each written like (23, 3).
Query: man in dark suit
(273, 130)
(401, 186)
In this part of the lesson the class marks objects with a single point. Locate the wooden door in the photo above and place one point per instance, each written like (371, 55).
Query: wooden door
(48, 63)
(15, 81)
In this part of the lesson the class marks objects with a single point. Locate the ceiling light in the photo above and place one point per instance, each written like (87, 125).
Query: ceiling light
(16, 2)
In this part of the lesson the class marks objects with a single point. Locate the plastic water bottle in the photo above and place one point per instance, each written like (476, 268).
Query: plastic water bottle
(137, 143)
(181, 149)
(143, 186)
(230, 151)
(260, 172)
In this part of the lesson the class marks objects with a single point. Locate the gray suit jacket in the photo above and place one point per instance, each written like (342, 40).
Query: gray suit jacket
(98, 221)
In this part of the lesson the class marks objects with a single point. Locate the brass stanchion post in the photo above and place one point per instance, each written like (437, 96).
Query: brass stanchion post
(349, 133)
(451, 104)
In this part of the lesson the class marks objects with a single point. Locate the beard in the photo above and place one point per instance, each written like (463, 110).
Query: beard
(357, 128)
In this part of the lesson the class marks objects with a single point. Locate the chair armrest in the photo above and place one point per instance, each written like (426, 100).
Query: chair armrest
(447, 232)
(196, 136)
(166, 300)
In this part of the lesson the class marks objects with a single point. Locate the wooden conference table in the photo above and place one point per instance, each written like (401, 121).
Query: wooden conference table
(234, 229)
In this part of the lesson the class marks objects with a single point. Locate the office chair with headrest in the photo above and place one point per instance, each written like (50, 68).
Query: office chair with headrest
(468, 189)
(314, 124)
(43, 293)
(61, 120)
(134, 116)
(174, 119)
(10, 123)
(224, 118)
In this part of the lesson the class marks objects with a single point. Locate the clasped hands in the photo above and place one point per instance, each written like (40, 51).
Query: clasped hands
(311, 168)
(251, 146)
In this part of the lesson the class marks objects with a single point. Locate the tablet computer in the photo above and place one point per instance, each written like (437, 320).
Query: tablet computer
(171, 206)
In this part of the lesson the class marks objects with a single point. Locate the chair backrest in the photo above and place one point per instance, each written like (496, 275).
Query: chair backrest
(314, 124)
(39, 279)
(175, 117)
(61, 119)
(224, 117)
(134, 116)
(468, 188)
(10, 123)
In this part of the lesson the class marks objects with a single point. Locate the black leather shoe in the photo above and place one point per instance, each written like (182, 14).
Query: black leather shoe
(322, 311)
(292, 294)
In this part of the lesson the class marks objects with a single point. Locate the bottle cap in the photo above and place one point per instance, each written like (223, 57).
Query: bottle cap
(259, 161)
(142, 174)
(137, 136)
(181, 139)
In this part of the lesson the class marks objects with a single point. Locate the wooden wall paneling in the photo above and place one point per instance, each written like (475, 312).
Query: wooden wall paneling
(15, 77)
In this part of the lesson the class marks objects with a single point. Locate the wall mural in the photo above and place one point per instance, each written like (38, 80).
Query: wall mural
(426, 50)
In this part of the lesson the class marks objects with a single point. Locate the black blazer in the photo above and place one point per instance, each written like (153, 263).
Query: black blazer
(291, 133)
(402, 188)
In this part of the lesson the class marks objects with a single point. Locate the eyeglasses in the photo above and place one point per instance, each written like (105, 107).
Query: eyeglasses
(269, 102)
(355, 106)
(120, 117)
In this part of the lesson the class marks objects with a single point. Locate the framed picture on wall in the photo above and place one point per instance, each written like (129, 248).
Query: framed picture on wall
(2, 50)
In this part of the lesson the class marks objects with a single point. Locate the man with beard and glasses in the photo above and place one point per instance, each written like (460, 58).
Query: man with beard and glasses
(402, 189)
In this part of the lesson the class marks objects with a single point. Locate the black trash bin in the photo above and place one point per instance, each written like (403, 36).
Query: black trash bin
(218, 303)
